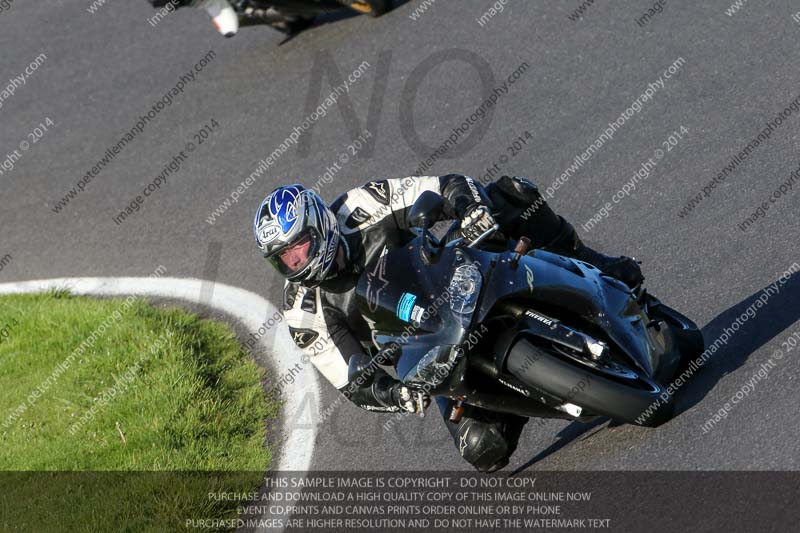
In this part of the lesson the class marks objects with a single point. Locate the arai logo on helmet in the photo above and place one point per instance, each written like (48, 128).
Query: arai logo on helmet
(283, 206)
(268, 232)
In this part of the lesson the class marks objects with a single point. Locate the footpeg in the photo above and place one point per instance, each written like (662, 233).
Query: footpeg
(420, 400)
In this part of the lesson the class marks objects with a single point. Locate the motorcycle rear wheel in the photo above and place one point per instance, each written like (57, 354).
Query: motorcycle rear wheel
(635, 400)
(687, 333)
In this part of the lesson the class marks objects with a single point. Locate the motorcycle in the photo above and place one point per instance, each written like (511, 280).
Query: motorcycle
(530, 333)
(288, 16)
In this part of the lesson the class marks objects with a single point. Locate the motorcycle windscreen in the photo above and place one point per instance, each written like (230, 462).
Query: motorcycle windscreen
(407, 301)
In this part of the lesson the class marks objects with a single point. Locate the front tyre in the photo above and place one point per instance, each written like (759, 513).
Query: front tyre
(625, 397)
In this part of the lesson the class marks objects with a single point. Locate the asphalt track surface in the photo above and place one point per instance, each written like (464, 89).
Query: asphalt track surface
(103, 70)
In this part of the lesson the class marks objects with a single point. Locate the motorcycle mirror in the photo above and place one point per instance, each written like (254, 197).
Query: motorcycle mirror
(426, 210)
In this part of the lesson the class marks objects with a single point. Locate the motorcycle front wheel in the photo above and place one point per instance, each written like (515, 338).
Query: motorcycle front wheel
(617, 392)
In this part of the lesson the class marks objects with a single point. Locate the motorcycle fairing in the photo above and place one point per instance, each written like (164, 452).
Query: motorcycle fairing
(539, 278)
(581, 289)
(407, 302)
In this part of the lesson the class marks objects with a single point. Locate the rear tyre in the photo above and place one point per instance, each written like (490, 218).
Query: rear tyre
(688, 336)
(633, 399)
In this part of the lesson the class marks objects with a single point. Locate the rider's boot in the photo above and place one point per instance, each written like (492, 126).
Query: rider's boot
(484, 439)
(222, 14)
(624, 268)
(522, 210)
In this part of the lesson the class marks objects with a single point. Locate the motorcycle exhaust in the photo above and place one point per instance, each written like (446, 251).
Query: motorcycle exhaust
(225, 19)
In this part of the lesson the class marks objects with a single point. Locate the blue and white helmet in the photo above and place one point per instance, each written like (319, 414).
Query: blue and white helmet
(297, 233)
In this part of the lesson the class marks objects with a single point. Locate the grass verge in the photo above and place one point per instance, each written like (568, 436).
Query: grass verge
(115, 412)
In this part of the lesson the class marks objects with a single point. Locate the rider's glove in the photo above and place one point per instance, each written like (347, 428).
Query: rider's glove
(411, 401)
(477, 221)
(371, 388)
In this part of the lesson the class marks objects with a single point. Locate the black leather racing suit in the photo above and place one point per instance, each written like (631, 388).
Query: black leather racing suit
(325, 323)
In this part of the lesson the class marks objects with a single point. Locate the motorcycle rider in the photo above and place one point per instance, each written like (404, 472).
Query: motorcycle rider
(222, 13)
(322, 251)
(227, 15)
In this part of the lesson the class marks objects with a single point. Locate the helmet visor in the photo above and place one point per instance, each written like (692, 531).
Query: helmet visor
(295, 256)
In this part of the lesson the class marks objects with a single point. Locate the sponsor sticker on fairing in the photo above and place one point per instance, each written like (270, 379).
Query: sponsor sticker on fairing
(405, 306)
